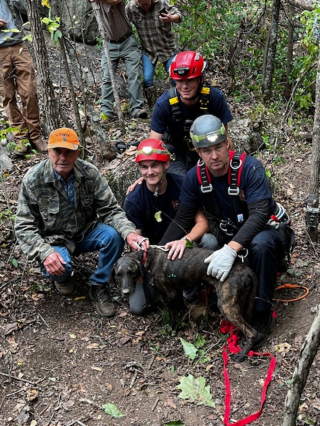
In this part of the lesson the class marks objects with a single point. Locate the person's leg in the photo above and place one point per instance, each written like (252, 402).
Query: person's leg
(27, 90)
(208, 242)
(64, 283)
(142, 300)
(167, 67)
(178, 167)
(8, 94)
(108, 242)
(64, 253)
(265, 250)
(107, 97)
(131, 56)
(110, 245)
(148, 71)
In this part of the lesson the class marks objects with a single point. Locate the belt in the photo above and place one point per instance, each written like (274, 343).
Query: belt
(121, 39)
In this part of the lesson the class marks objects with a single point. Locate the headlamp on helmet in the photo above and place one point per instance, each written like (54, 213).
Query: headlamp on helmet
(187, 65)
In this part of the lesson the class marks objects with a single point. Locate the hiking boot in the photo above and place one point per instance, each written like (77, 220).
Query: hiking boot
(20, 149)
(141, 113)
(40, 145)
(99, 294)
(263, 322)
(66, 288)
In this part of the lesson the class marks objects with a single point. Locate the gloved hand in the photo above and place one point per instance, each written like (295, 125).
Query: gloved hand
(220, 262)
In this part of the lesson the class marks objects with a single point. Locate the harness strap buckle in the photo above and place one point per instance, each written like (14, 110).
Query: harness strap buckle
(207, 188)
(235, 164)
(233, 191)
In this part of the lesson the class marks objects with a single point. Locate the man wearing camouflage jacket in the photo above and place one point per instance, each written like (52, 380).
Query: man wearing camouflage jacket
(65, 208)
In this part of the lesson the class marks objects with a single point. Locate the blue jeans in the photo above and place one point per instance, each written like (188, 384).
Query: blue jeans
(103, 238)
(149, 69)
(129, 53)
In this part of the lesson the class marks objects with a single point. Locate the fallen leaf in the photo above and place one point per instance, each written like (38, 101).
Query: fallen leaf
(10, 328)
(92, 346)
(96, 368)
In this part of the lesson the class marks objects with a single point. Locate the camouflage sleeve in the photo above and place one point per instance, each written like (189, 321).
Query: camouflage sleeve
(27, 228)
(109, 211)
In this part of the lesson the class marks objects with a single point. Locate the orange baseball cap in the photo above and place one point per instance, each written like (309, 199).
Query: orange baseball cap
(64, 138)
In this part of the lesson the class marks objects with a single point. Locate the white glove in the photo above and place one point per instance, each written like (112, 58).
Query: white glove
(220, 262)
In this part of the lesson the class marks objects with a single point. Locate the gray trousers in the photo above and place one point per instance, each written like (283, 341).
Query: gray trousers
(143, 300)
(127, 51)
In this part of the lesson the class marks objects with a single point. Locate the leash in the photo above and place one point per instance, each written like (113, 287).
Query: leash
(305, 294)
(233, 345)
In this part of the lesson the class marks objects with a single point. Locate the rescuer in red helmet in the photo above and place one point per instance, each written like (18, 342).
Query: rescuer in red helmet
(153, 205)
(176, 109)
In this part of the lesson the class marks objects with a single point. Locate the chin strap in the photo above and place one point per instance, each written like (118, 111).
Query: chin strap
(156, 192)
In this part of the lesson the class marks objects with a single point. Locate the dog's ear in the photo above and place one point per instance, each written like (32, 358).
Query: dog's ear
(112, 278)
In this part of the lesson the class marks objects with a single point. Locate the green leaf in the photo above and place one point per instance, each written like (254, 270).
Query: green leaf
(157, 216)
(189, 243)
(174, 423)
(200, 341)
(195, 390)
(112, 410)
(27, 37)
(14, 263)
(189, 349)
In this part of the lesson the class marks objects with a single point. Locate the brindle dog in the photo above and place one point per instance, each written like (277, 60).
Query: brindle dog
(235, 296)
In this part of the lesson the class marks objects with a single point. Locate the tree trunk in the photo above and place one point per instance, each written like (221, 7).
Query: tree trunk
(270, 53)
(41, 56)
(96, 10)
(312, 216)
(290, 53)
(301, 371)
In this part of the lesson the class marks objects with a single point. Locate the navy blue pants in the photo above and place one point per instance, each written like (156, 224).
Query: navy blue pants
(266, 250)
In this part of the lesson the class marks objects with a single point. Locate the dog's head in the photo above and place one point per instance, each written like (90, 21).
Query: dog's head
(125, 272)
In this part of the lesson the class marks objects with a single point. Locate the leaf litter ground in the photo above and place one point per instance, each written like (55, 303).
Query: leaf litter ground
(60, 363)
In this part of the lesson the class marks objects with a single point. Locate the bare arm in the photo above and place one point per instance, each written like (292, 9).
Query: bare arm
(155, 135)
(200, 228)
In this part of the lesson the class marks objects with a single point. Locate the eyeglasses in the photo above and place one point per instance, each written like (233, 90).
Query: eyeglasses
(145, 4)
(181, 71)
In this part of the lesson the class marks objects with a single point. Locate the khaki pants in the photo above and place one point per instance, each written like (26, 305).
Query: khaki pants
(17, 75)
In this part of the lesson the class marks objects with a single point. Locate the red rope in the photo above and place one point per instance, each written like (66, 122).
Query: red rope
(233, 345)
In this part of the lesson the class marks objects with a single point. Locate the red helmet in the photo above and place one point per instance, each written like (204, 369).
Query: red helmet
(187, 65)
(152, 149)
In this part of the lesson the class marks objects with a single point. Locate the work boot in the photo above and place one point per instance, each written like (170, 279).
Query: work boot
(40, 145)
(99, 294)
(66, 288)
(20, 148)
(263, 322)
(151, 95)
